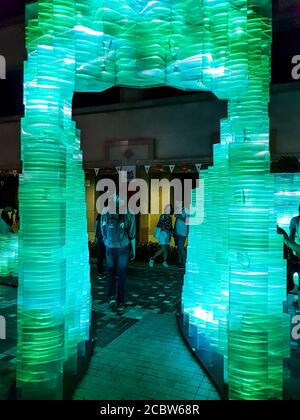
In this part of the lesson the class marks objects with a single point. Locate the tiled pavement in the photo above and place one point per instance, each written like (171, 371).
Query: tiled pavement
(139, 354)
(149, 361)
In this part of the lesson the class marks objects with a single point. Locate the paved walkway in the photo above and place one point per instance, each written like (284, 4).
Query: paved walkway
(147, 362)
(139, 354)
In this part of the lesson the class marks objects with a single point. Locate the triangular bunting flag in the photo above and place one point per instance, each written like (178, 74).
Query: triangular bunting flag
(97, 171)
(172, 167)
(147, 168)
(198, 166)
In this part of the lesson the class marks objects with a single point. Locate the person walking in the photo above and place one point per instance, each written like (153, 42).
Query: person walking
(100, 248)
(181, 233)
(119, 235)
(163, 234)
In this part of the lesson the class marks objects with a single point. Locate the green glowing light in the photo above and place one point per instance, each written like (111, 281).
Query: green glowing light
(241, 287)
(54, 293)
(236, 296)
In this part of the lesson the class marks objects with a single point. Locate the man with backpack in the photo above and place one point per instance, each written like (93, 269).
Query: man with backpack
(119, 235)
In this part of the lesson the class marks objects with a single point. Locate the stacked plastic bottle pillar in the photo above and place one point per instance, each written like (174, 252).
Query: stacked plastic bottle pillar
(205, 293)
(78, 303)
(258, 332)
(245, 240)
(54, 298)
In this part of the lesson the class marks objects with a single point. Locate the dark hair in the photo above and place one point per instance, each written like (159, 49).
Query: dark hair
(288, 164)
(171, 208)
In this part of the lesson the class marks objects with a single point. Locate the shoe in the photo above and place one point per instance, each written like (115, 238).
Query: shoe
(112, 304)
(165, 264)
(151, 263)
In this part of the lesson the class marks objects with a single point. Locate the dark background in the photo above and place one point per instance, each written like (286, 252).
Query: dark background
(8, 191)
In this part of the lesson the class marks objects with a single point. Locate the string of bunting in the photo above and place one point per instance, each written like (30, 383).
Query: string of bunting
(156, 167)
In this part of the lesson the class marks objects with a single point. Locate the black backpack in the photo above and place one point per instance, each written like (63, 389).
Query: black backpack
(114, 228)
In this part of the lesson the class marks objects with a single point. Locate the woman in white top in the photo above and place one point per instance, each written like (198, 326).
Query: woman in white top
(165, 232)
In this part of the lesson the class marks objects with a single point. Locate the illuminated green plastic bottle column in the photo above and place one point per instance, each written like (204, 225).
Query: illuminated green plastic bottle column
(240, 223)
(54, 298)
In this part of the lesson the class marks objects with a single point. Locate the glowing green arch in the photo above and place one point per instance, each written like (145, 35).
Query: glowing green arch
(91, 45)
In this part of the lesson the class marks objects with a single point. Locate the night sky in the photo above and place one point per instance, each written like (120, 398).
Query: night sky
(290, 9)
(11, 8)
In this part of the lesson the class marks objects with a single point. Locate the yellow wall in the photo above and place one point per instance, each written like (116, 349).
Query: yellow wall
(147, 223)
(90, 192)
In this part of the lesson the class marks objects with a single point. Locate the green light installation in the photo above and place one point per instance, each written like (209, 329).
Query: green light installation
(54, 293)
(236, 297)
